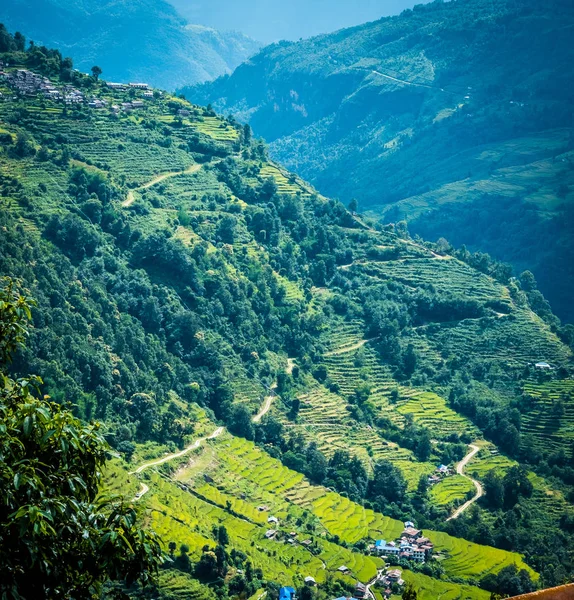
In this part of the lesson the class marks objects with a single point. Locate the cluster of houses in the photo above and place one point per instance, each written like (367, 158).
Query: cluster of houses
(412, 545)
(391, 579)
(145, 87)
(291, 538)
(28, 83)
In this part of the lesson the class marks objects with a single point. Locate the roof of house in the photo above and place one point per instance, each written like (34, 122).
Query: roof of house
(309, 579)
(343, 568)
(286, 593)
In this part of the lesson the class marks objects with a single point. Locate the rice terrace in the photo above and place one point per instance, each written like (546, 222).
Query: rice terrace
(286, 321)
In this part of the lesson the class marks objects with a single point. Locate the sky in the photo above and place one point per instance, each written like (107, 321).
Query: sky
(272, 20)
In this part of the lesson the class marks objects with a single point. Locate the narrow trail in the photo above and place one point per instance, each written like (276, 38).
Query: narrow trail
(267, 402)
(372, 582)
(460, 470)
(346, 349)
(160, 461)
(131, 197)
(405, 82)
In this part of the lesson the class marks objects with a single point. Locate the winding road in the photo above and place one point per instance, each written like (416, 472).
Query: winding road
(168, 457)
(479, 490)
(265, 407)
(267, 402)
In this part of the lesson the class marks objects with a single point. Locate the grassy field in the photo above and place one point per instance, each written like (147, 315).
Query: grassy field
(239, 477)
(433, 589)
(451, 489)
(549, 421)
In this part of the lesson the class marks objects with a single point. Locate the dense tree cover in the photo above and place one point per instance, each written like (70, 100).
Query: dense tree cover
(58, 537)
(47, 61)
(146, 309)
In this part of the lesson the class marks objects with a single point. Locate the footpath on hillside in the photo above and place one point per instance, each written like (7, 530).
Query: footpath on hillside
(460, 470)
(265, 407)
(158, 179)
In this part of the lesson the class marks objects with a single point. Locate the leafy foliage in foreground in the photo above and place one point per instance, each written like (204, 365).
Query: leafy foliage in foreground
(58, 538)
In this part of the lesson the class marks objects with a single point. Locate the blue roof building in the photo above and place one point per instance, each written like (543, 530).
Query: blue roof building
(286, 593)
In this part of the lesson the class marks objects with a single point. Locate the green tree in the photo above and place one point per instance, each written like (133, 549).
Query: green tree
(409, 593)
(96, 72)
(240, 422)
(58, 537)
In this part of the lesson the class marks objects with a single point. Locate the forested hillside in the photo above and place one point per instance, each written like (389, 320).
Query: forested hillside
(455, 116)
(145, 40)
(256, 351)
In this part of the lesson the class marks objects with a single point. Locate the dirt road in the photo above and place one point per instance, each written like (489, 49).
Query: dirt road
(479, 490)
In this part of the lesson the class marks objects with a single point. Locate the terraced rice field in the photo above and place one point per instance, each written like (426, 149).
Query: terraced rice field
(513, 342)
(457, 277)
(451, 489)
(430, 410)
(181, 586)
(247, 472)
(284, 185)
(433, 589)
(470, 560)
(215, 128)
(550, 421)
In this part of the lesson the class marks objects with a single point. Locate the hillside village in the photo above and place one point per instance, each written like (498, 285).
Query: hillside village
(26, 83)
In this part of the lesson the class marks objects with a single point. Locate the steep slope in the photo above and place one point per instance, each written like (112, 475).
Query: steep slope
(455, 116)
(185, 283)
(131, 41)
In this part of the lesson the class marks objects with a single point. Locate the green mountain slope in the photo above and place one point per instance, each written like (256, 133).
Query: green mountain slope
(187, 285)
(131, 41)
(455, 116)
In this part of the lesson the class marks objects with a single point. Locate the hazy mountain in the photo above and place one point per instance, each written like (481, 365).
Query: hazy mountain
(459, 110)
(273, 20)
(130, 40)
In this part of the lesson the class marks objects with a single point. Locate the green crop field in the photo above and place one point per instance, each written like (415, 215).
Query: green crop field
(451, 489)
(549, 420)
(431, 411)
(433, 589)
(243, 477)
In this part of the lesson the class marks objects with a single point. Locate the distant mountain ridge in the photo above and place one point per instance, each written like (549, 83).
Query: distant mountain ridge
(144, 40)
(430, 116)
(272, 20)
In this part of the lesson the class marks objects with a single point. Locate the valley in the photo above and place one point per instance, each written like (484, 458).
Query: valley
(450, 117)
(283, 382)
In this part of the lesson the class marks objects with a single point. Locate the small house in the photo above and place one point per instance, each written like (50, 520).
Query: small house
(270, 534)
(310, 580)
(344, 569)
(286, 593)
(272, 519)
(360, 590)
(409, 524)
(306, 542)
(411, 533)
(544, 366)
